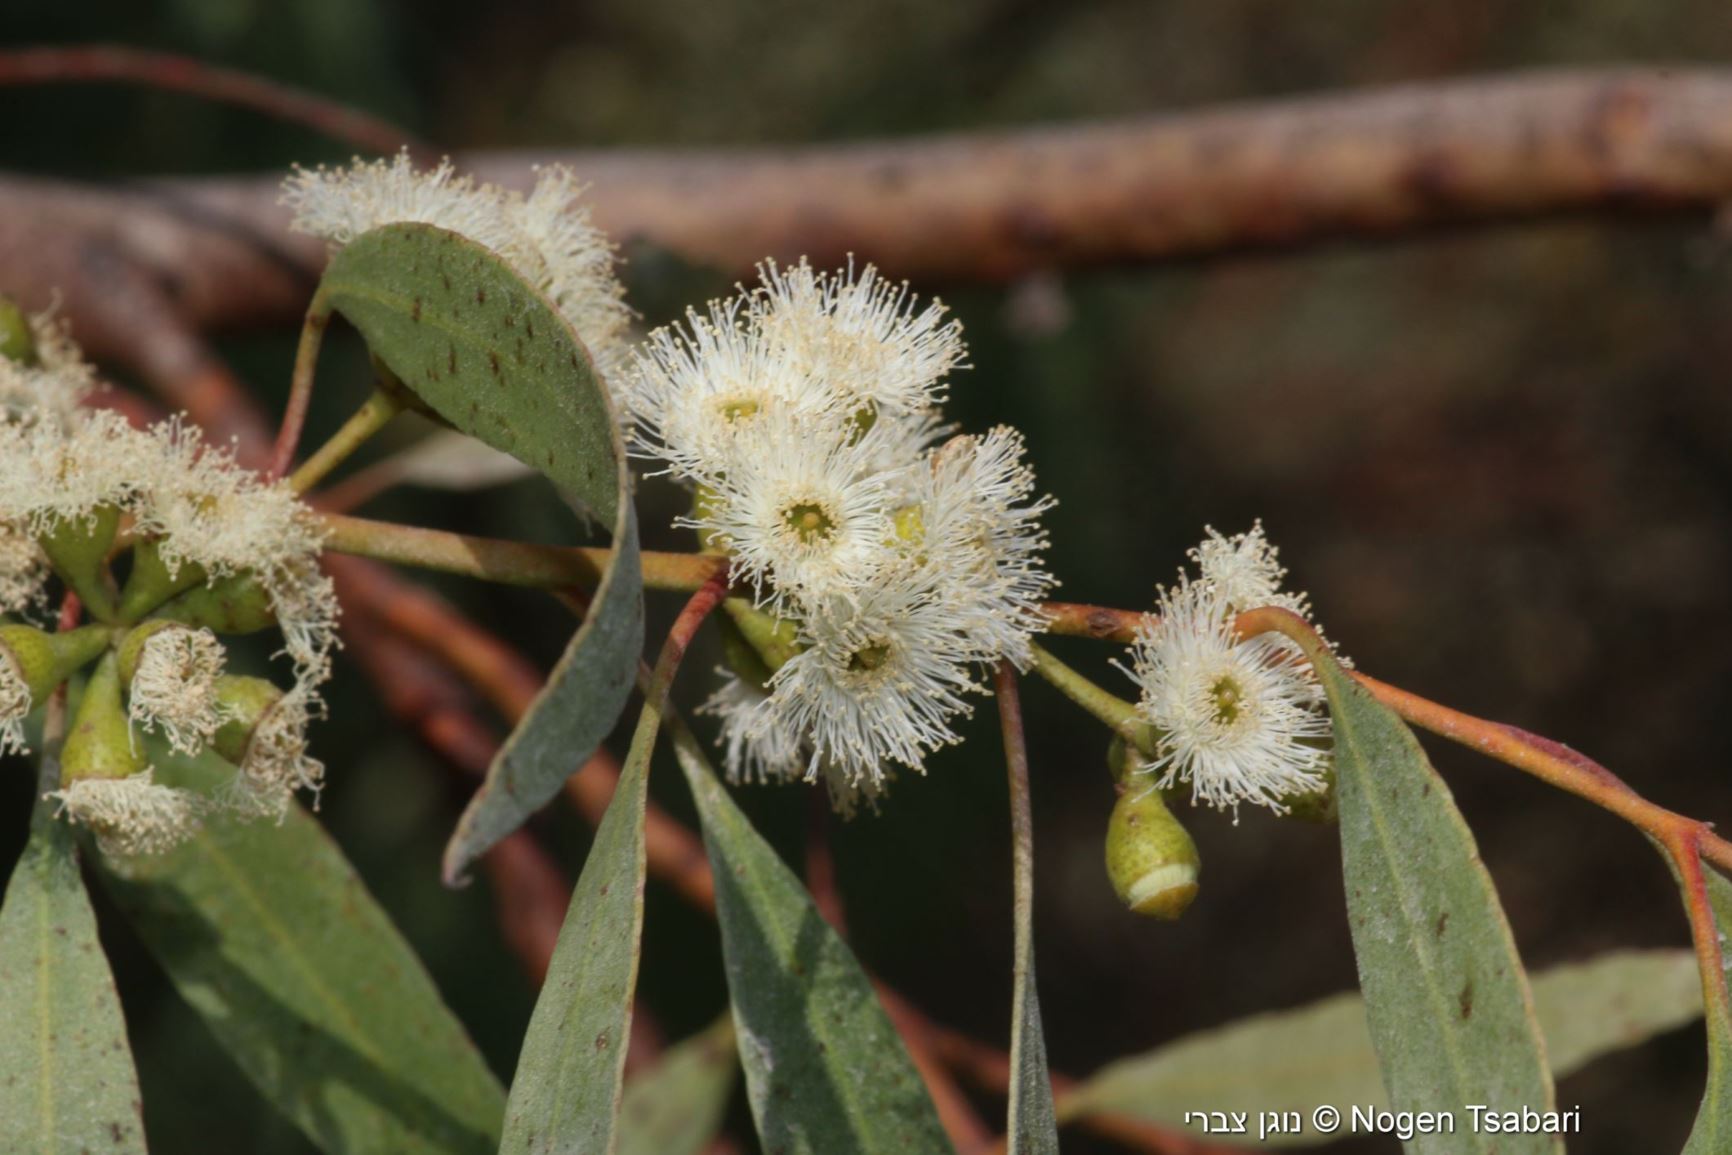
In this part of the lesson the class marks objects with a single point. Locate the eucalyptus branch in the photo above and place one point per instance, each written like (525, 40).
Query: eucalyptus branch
(300, 385)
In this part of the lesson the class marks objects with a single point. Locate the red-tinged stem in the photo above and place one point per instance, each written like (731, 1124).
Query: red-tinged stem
(108, 63)
(1686, 855)
(300, 386)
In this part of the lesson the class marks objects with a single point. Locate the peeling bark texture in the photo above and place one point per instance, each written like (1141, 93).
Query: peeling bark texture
(214, 252)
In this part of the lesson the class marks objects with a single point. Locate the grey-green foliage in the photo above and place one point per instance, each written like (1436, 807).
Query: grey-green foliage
(676, 1107)
(67, 1082)
(1712, 1133)
(565, 1096)
(1299, 1059)
(1446, 997)
(826, 1072)
(486, 352)
(268, 933)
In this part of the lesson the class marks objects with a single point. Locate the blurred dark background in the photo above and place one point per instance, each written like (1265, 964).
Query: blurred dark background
(1499, 460)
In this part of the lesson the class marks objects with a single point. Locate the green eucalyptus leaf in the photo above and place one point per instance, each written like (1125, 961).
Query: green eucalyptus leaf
(676, 1107)
(1301, 1059)
(1446, 997)
(268, 933)
(826, 1072)
(67, 1081)
(566, 1094)
(1712, 1132)
(486, 352)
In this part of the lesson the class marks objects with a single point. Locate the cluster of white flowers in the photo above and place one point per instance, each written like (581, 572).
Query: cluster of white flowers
(547, 237)
(206, 520)
(1239, 720)
(805, 415)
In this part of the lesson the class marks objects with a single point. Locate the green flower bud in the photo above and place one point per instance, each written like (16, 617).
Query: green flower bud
(99, 743)
(1151, 859)
(17, 342)
(43, 660)
(774, 640)
(742, 657)
(151, 583)
(245, 702)
(233, 605)
(78, 549)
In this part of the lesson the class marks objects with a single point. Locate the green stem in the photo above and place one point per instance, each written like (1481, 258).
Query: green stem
(507, 562)
(1119, 715)
(373, 415)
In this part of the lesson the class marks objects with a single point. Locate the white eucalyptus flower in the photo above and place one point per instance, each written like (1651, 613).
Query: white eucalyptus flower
(174, 687)
(23, 572)
(548, 238)
(132, 816)
(276, 764)
(1238, 720)
(756, 746)
(1245, 571)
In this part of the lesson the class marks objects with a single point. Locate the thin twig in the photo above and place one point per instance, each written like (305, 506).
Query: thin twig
(165, 71)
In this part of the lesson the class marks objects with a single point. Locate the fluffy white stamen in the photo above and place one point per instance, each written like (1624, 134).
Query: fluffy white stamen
(15, 704)
(276, 764)
(131, 816)
(547, 237)
(23, 572)
(175, 687)
(756, 746)
(1239, 721)
(1245, 571)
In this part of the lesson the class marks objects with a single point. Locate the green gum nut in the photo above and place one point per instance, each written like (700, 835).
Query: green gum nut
(78, 549)
(45, 660)
(774, 640)
(99, 743)
(1151, 859)
(151, 583)
(233, 605)
(246, 701)
(17, 342)
(742, 657)
(132, 646)
(704, 503)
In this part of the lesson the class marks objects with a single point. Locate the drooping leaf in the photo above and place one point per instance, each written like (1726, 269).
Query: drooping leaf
(485, 351)
(269, 934)
(1712, 1132)
(676, 1107)
(565, 1096)
(1031, 1124)
(67, 1081)
(826, 1073)
(1297, 1060)
(1446, 997)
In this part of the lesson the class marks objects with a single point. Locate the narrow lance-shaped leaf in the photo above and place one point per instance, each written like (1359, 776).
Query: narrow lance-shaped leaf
(268, 933)
(1300, 1059)
(489, 354)
(67, 1081)
(826, 1073)
(1712, 1132)
(1446, 997)
(1032, 1126)
(566, 1094)
(676, 1107)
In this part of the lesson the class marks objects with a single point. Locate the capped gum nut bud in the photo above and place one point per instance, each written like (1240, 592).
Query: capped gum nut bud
(99, 743)
(1151, 859)
(43, 660)
(742, 657)
(233, 605)
(246, 701)
(152, 583)
(78, 549)
(132, 648)
(17, 342)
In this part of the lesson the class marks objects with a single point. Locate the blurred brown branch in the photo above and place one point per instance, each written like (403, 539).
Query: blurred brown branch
(213, 253)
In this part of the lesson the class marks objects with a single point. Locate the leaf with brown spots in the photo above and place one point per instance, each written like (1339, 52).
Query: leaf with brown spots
(444, 314)
(67, 1081)
(1447, 999)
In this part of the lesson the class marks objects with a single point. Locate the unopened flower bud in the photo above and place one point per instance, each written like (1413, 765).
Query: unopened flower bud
(775, 640)
(99, 743)
(32, 664)
(246, 701)
(78, 548)
(17, 342)
(1151, 859)
(232, 605)
(153, 581)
